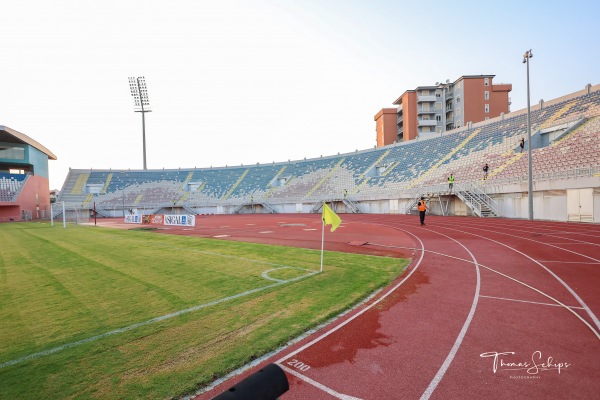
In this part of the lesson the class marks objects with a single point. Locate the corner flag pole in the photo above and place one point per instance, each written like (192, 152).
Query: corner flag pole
(322, 243)
(329, 217)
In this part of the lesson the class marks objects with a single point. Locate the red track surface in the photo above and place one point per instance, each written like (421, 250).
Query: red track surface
(528, 289)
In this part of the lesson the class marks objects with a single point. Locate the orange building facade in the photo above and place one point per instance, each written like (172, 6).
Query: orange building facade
(385, 126)
(442, 107)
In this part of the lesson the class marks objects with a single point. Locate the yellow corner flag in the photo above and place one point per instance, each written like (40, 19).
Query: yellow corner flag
(330, 217)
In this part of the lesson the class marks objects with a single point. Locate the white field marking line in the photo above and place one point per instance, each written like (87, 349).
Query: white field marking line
(528, 302)
(352, 318)
(265, 274)
(553, 234)
(220, 236)
(579, 299)
(229, 256)
(324, 388)
(266, 232)
(147, 322)
(459, 339)
(524, 284)
(216, 254)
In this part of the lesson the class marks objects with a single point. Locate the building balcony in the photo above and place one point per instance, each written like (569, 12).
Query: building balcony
(427, 99)
(421, 110)
(427, 122)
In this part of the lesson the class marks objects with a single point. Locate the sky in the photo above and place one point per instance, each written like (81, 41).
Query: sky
(234, 82)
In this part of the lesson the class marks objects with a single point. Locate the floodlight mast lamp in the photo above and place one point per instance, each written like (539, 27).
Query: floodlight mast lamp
(141, 104)
(528, 55)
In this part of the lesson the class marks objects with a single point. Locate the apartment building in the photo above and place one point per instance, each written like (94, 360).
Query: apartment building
(442, 107)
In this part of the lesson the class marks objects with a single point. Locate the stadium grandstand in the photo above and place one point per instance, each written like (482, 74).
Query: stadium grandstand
(24, 184)
(565, 145)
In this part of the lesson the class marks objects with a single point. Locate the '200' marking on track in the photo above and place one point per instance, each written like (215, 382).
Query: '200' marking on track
(298, 365)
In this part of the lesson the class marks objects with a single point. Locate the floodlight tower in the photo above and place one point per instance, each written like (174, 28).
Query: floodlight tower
(528, 55)
(141, 103)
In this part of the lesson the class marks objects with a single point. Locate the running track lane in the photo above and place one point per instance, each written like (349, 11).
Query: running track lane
(480, 287)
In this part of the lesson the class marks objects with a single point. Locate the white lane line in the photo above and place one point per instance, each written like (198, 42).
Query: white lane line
(518, 281)
(143, 323)
(548, 296)
(572, 244)
(551, 232)
(318, 385)
(459, 339)
(522, 238)
(358, 314)
(571, 262)
(220, 236)
(566, 286)
(528, 302)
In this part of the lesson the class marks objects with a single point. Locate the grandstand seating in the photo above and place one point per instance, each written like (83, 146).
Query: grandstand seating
(366, 174)
(10, 186)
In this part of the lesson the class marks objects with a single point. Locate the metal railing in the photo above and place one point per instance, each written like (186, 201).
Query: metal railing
(477, 200)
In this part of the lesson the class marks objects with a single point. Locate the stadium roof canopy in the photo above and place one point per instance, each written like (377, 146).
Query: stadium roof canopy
(11, 136)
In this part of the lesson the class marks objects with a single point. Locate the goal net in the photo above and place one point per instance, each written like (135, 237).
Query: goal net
(69, 213)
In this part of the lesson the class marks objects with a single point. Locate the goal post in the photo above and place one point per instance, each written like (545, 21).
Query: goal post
(69, 213)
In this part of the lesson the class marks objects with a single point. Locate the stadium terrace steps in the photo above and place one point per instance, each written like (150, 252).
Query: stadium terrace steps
(240, 179)
(327, 176)
(106, 183)
(502, 167)
(550, 121)
(80, 184)
(185, 182)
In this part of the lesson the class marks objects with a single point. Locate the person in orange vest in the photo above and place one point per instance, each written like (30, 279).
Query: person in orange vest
(422, 208)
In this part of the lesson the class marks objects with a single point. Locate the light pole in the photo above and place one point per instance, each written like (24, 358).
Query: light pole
(140, 103)
(123, 193)
(526, 58)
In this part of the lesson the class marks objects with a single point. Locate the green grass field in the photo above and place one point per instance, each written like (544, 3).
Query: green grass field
(91, 312)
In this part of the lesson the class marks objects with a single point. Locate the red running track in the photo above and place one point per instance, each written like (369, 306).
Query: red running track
(489, 308)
